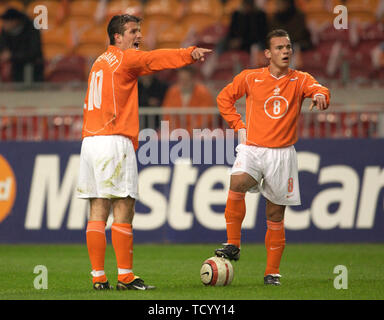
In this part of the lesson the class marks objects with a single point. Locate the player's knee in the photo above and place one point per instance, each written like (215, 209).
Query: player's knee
(274, 212)
(239, 187)
(123, 210)
(240, 183)
(99, 209)
(275, 216)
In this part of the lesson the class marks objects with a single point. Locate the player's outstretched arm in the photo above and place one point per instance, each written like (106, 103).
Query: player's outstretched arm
(146, 62)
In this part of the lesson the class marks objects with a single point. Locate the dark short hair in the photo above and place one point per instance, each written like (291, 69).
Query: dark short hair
(277, 33)
(117, 23)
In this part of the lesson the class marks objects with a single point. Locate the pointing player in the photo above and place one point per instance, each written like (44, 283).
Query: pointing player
(266, 158)
(108, 170)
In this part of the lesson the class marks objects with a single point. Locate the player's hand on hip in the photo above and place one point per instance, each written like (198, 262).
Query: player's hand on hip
(320, 102)
(199, 53)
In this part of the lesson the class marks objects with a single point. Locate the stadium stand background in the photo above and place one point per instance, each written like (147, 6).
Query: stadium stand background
(350, 62)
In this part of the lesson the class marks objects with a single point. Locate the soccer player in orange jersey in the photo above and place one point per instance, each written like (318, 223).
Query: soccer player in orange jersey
(108, 170)
(266, 158)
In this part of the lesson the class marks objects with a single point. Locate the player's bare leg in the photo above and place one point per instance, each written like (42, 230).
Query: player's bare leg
(235, 213)
(99, 209)
(122, 241)
(96, 241)
(274, 242)
(123, 210)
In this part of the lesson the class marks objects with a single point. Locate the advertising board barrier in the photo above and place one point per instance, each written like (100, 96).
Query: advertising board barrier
(183, 200)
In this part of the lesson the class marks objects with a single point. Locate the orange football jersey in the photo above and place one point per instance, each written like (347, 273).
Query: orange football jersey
(111, 103)
(273, 104)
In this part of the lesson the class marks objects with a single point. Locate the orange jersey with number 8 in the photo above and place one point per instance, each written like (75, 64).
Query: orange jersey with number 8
(273, 104)
(111, 102)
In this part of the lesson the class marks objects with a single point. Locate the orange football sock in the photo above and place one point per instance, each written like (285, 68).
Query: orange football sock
(275, 244)
(96, 243)
(234, 216)
(122, 241)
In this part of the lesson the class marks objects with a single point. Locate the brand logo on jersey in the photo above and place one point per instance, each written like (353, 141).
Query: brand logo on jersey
(7, 188)
(294, 79)
(276, 91)
(258, 80)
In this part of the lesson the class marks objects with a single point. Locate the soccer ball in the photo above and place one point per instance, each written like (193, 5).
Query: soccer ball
(216, 271)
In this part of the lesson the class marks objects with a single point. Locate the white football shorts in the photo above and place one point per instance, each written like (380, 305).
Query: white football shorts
(108, 168)
(275, 170)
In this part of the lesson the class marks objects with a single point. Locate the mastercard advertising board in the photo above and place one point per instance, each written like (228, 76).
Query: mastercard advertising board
(342, 193)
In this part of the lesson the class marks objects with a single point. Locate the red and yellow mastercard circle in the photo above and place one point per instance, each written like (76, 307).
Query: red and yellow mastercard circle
(7, 188)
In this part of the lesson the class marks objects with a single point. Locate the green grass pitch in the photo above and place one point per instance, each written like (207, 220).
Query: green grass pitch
(307, 270)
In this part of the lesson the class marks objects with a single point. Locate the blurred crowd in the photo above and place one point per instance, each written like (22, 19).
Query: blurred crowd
(235, 29)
